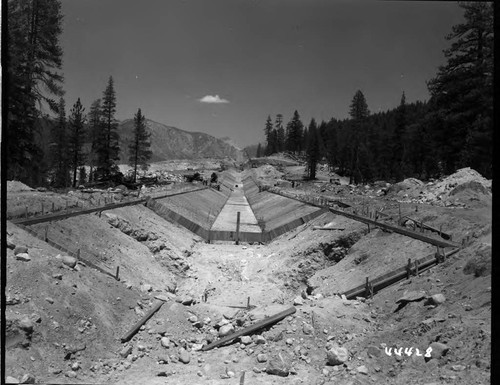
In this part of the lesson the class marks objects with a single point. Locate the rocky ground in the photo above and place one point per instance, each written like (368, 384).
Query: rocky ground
(65, 320)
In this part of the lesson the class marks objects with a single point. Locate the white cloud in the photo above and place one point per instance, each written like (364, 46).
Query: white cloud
(213, 99)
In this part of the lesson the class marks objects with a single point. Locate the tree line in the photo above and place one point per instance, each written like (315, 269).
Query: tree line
(77, 141)
(454, 129)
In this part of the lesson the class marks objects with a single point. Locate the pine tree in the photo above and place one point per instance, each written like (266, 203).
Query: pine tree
(295, 135)
(259, 151)
(280, 133)
(58, 150)
(95, 123)
(398, 150)
(268, 131)
(312, 150)
(331, 144)
(33, 58)
(108, 149)
(76, 138)
(140, 153)
(462, 92)
(358, 111)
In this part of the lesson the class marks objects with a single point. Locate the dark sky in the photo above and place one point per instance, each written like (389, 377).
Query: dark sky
(223, 66)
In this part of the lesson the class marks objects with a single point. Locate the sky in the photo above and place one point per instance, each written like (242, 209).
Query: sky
(222, 66)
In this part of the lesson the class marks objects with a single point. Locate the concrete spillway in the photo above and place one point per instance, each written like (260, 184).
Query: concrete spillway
(237, 202)
(213, 214)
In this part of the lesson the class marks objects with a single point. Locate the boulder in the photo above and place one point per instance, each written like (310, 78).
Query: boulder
(307, 329)
(11, 380)
(362, 369)
(146, 288)
(246, 340)
(258, 339)
(165, 342)
(69, 261)
(412, 296)
(126, 351)
(184, 356)
(23, 257)
(26, 325)
(438, 350)
(20, 250)
(226, 330)
(298, 301)
(337, 355)
(279, 365)
(437, 299)
(262, 357)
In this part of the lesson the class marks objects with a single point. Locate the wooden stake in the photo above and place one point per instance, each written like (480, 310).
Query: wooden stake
(399, 223)
(248, 303)
(53, 207)
(117, 276)
(238, 228)
(46, 233)
(26, 212)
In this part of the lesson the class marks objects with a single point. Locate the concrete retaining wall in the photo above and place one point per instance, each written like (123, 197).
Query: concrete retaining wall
(230, 236)
(173, 217)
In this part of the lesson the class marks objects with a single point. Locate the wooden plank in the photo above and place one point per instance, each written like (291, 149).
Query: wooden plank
(56, 217)
(141, 322)
(427, 227)
(396, 275)
(252, 328)
(328, 228)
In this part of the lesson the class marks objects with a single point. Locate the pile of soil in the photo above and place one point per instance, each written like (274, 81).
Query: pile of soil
(16, 186)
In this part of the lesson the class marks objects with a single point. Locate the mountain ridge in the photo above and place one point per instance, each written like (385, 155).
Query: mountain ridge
(168, 142)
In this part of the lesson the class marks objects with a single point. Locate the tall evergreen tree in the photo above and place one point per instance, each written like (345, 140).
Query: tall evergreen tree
(139, 147)
(268, 131)
(108, 148)
(280, 133)
(358, 111)
(462, 92)
(76, 138)
(259, 151)
(312, 150)
(33, 58)
(398, 150)
(94, 119)
(331, 144)
(295, 134)
(58, 148)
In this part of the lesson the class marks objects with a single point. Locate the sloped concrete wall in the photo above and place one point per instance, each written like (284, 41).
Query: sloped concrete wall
(173, 217)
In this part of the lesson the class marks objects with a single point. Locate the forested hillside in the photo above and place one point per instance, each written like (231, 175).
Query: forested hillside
(423, 139)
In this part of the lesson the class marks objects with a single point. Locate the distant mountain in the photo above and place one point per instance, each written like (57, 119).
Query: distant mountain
(173, 143)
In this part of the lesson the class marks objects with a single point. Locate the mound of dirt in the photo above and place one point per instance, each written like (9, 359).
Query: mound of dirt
(16, 186)
(267, 172)
(407, 184)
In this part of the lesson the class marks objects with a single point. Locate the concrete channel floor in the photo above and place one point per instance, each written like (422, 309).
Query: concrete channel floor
(237, 202)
